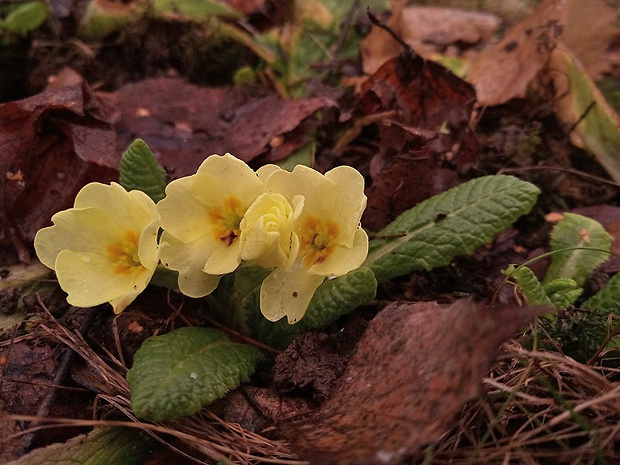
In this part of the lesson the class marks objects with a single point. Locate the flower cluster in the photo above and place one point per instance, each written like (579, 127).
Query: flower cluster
(302, 225)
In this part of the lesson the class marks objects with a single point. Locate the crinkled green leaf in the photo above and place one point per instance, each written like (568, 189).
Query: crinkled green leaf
(577, 231)
(26, 17)
(102, 446)
(141, 171)
(562, 292)
(339, 296)
(607, 299)
(453, 223)
(178, 373)
(529, 284)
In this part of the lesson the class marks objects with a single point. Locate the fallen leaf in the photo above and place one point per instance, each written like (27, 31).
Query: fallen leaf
(52, 144)
(187, 123)
(590, 28)
(426, 126)
(415, 367)
(504, 70)
(427, 30)
(594, 124)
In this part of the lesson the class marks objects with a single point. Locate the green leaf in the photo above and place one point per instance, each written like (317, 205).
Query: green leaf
(563, 292)
(594, 124)
(339, 296)
(333, 299)
(178, 373)
(302, 156)
(529, 284)
(102, 18)
(26, 17)
(453, 223)
(141, 171)
(102, 446)
(577, 231)
(193, 9)
(607, 300)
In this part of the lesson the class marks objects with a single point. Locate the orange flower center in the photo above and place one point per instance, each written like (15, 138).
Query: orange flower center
(317, 239)
(226, 220)
(124, 254)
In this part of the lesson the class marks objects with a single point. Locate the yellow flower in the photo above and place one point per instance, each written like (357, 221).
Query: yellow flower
(268, 235)
(331, 241)
(104, 249)
(201, 217)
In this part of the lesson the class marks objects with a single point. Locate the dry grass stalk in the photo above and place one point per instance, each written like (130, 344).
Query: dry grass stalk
(540, 407)
(205, 433)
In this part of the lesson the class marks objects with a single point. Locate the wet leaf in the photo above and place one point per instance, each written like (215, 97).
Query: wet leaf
(176, 374)
(413, 370)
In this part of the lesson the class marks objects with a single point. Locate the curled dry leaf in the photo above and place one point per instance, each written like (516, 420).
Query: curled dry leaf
(415, 367)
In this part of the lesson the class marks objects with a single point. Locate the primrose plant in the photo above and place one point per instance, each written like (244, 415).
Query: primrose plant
(259, 246)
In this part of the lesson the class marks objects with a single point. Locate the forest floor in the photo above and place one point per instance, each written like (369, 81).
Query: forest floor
(323, 83)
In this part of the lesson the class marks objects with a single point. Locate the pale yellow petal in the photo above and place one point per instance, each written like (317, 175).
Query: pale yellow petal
(80, 230)
(189, 260)
(320, 193)
(129, 209)
(198, 283)
(222, 176)
(344, 259)
(182, 215)
(224, 258)
(265, 171)
(89, 279)
(288, 294)
(148, 249)
(350, 202)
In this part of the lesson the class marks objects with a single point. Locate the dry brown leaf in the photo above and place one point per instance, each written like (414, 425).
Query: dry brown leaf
(427, 30)
(415, 367)
(590, 28)
(427, 110)
(504, 70)
(186, 123)
(52, 144)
